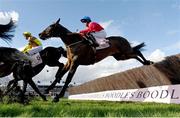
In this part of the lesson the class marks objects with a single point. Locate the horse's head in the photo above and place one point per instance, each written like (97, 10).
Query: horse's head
(50, 31)
(54, 30)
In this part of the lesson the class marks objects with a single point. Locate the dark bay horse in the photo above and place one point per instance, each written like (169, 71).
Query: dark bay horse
(50, 56)
(79, 53)
(14, 61)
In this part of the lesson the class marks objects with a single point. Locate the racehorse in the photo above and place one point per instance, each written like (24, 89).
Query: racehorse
(50, 56)
(80, 53)
(14, 61)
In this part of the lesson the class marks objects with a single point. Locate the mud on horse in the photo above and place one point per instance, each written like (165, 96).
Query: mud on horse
(79, 53)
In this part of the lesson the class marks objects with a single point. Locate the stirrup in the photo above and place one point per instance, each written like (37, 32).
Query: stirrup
(94, 42)
(88, 40)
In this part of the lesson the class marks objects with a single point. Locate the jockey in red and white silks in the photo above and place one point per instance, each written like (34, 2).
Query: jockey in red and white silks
(95, 29)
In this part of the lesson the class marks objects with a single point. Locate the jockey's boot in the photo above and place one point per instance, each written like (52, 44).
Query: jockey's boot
(91, 41)
(94, 42)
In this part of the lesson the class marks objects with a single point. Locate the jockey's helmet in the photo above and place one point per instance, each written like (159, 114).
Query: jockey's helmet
(86, 19)
(26, 33)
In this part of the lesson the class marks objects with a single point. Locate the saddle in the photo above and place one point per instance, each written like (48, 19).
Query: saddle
(96, 43)
(91, 40)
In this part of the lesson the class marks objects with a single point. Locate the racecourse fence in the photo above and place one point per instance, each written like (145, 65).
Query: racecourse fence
(166, 72)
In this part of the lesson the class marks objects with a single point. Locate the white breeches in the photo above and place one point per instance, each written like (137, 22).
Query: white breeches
(101, 39)
(99, 35)
(35, 50)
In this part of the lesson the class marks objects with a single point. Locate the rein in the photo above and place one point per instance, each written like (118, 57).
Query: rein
(74, 43)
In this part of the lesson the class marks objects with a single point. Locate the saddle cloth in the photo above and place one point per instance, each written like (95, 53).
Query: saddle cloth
(103, 43)
(36, 59)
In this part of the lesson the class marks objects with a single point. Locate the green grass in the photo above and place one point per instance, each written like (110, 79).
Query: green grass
(73, 108)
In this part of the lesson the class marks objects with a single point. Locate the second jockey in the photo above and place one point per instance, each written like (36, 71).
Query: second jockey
(34, 45)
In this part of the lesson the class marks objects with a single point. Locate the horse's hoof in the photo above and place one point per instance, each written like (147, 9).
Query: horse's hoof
(46, 92)
(44, 98)
(56, 99)
(24, 102)
(59, 81)
(4, 93)
(151, 62)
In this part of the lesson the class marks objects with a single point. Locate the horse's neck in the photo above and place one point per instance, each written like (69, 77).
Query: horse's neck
(72, 39)
(67, 36)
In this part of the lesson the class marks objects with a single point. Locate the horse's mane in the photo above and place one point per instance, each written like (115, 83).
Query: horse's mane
(6, 31)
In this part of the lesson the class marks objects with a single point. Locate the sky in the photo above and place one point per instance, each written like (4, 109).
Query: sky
(155, 22)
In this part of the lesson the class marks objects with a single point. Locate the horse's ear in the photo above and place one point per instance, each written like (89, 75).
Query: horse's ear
(57, 22)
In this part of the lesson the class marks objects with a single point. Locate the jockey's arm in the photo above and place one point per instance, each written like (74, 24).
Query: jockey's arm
(86, 31)
(35, 42)
(27, 48)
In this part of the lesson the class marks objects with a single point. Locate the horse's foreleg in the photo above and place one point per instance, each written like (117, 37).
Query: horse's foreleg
(10, 83)
(33, 85)
(10, 86)
(13, 83)
(58, 76)
(68, 80)
(23, 91)
(61, 71)
(55, 63)
(60, 65)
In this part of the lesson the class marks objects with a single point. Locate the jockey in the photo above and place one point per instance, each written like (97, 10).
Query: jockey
(93, 28)
(34, 46)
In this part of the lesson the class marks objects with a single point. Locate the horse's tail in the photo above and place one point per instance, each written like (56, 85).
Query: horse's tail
(6, 30)
(62, 51)
(139, 47)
